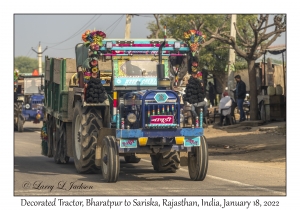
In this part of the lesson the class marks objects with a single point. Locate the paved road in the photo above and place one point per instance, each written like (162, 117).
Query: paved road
(39, 175)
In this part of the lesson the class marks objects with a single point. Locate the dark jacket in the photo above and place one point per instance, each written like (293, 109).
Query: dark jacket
(211, 91)
(240, 90)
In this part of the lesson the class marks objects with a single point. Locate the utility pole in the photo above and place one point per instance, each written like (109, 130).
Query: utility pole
(128, 26)
(231, 59)
(40, 54)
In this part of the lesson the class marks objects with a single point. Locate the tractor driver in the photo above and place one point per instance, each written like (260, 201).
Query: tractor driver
(33, 88)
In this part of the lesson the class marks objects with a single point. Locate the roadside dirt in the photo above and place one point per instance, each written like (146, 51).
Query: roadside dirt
(250, 144)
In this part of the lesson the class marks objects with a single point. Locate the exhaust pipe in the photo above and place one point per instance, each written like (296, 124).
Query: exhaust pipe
(162, 82)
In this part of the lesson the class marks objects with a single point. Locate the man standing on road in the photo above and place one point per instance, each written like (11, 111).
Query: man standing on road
(240, 95)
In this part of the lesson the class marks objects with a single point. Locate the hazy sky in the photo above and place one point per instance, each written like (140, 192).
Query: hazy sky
(62, 32)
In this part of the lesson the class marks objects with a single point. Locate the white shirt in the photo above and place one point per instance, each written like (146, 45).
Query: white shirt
(225, 102)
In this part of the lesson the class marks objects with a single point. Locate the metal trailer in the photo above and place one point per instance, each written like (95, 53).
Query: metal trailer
(141, 115)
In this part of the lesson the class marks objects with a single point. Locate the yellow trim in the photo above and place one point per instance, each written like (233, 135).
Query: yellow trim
(115, 95)
(143, 141)
(179, 139)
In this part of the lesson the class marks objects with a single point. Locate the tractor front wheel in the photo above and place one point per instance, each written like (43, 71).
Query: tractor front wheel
(110, 162)
(198, 161)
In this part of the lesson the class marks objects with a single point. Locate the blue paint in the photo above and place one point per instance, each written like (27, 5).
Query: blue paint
(155, 133)
(191, 132)
(118, 120)
(129, 133)
(114, 119)
(161, 97)
(201, 119)
(31, 113)
(148, 95)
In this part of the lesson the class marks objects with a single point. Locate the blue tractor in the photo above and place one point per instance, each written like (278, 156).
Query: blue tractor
(30, 94)
(117, 99)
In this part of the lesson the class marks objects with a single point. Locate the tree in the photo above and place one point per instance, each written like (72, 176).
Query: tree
(252, 47)
(213, 55)
(26, 64)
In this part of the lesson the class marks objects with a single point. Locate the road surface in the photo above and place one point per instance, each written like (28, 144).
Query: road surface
(35, 174)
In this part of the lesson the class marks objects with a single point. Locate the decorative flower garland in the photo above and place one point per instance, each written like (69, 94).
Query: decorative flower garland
(93, 40)
(194, 38)
(16, 75)
(44, 137)
(94, 90)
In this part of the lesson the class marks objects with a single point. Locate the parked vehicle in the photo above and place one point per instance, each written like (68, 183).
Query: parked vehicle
(30, 99)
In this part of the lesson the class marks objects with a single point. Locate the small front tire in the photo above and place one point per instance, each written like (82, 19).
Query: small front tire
(198, 161)
(110, 162)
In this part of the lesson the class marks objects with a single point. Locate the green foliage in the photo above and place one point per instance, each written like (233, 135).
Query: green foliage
(213, 56)
(276, 61)
(26, 64)
(240, 65)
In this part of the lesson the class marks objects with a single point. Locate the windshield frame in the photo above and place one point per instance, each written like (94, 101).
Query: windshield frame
(29, 89)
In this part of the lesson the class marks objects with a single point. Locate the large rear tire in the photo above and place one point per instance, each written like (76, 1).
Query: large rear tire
(166, 162)
(198, 161)
(59, 145)
(110, 161)
(50, 136)
(20, 124)
(55, 143)
(87, 121)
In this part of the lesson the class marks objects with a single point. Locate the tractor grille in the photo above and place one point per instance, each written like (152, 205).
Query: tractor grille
(36, 104)
(161, 115)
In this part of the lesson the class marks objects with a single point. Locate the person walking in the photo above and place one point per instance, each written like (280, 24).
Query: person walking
(212, 93)
(240, 92)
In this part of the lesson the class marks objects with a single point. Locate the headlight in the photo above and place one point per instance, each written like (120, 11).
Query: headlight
(27, 106)
(131, 118)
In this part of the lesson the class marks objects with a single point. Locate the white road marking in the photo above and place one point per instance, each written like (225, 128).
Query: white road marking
(234, 182)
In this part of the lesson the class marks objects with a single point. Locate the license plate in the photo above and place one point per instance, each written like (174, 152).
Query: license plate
(191, 141)
(128, 143)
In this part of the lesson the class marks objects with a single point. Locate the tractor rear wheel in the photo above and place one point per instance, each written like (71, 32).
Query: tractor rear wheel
(50, 136)
(59, 145)
(198, 161)
(87, 121)
(166, 162)
(20, 124)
